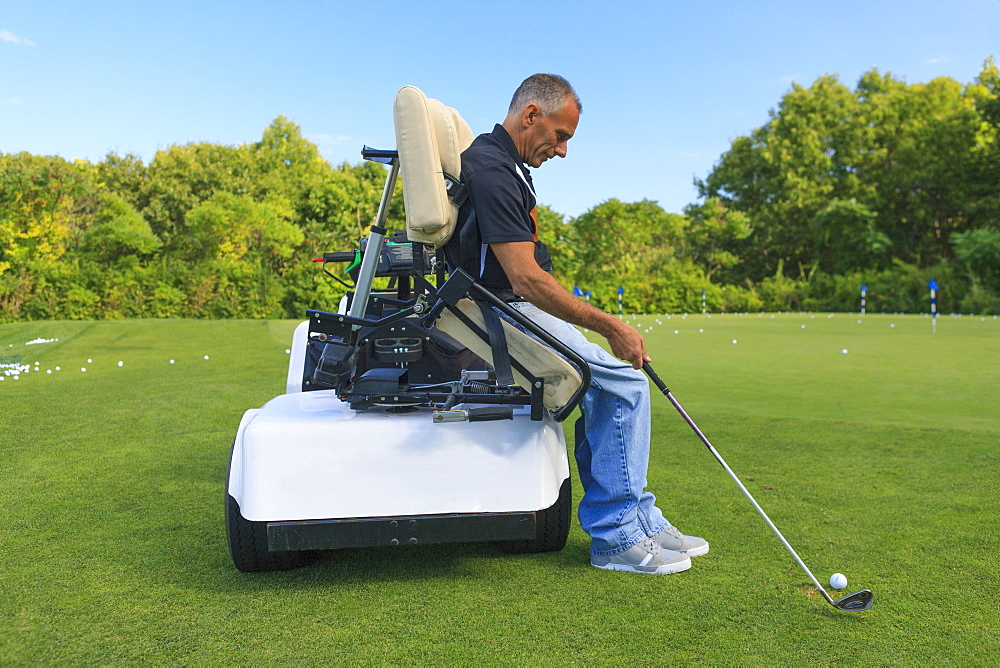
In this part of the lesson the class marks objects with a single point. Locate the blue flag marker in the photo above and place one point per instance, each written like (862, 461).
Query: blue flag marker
(621, 291)
(703, 308)
(933, 287)
(576, 291)
(864, 296)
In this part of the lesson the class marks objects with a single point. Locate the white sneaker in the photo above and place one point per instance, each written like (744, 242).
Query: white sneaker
(672, 539)
(646, 556)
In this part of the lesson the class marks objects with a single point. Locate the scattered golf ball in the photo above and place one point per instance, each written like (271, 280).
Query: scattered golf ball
(58, 368)
(803, 326)
(120, 363)
(838, 580)
(734, 342)
(48, 371)
(90, 361)
(83, 369)
(171, 361)
(844, 351)
(892, 325)
(206, 356)
(288, 351)
(677, 331)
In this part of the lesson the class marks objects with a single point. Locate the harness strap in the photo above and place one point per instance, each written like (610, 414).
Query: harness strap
(457, 191)
(498, 344)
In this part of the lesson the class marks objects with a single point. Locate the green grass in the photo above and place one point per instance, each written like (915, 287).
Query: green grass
(881, 464)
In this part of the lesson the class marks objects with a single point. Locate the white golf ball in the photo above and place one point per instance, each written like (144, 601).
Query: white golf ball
(844, 351)
(121, 363)
(171, 361)
(206, 356)
(838, 580)
(734, 342)
(90, 361)
(83, 369)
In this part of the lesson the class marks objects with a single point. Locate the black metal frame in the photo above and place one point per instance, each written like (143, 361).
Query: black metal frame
(427, 306)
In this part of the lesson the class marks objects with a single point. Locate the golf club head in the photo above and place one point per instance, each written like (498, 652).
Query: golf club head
(856, 602)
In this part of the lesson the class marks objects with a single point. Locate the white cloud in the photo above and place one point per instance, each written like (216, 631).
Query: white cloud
(8, 36)
(938, 60)
(13, 100)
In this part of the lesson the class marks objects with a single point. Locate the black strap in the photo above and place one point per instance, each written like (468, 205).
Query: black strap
(498, 344)
(470, 246)
(456, 189)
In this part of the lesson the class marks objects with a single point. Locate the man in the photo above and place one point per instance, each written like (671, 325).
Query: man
(497, 242)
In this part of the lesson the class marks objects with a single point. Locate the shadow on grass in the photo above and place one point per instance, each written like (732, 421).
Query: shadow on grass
(365, 566)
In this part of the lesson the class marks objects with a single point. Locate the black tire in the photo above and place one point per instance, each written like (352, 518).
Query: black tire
(248, 540)
(248, 544)
(551, 526)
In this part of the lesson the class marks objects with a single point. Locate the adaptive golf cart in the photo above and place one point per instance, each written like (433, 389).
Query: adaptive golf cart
(414, 414)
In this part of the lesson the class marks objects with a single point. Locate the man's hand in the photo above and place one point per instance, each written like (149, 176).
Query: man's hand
(627, 344)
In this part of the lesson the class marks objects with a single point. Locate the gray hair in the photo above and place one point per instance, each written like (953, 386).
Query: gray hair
(548, 91)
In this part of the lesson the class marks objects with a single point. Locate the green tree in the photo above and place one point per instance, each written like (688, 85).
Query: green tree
(623, 244)
(236, 228)
(841, 179)
(710, 228)
(181, 177)
(42, 202)
(118, 231)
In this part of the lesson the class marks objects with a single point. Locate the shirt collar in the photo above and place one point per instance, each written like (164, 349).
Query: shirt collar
(504, 139)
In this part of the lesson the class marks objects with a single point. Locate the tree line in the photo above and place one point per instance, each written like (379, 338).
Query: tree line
(889, 185)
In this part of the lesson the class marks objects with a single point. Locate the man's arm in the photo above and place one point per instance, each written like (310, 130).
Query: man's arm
(537, 286)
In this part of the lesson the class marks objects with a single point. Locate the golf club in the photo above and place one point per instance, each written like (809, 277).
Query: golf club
(856, 602)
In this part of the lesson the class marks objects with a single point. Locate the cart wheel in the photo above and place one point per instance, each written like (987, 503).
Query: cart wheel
(551, 526)
(248, 540)
(248, 544)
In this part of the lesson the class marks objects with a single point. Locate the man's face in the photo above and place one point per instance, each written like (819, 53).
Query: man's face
(546, 136)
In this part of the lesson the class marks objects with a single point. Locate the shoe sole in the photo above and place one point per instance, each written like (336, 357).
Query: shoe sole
(665, 569)
(697, 552)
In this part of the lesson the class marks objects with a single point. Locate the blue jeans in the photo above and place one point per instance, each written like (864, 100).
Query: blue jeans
(612, 444)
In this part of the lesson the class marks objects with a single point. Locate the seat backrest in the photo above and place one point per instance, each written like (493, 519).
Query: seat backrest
(430, 138)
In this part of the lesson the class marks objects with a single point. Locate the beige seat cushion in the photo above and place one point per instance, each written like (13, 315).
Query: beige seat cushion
(430, 138)
(561, 379)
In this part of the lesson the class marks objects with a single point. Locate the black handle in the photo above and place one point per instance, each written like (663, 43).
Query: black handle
(487, 413)
(347, 256)
(655, 378)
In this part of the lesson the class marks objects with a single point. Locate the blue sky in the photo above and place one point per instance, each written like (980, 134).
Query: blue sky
(665, 85)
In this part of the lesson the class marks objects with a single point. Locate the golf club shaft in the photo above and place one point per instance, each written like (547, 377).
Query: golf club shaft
(687, 418)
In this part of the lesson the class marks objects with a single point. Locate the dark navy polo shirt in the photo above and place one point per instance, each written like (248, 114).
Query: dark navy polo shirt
(499, 209)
